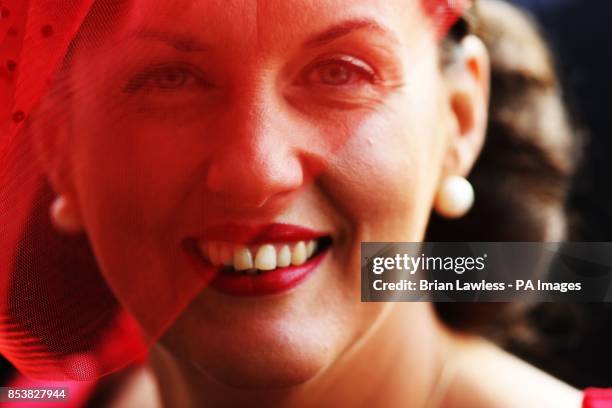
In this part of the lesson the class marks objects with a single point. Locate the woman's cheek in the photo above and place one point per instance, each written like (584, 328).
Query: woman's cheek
(385, 176)
(130, 186)
(132, 163)
(139, 169)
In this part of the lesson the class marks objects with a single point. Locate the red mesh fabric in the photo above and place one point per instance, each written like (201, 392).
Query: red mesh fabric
(58, 317)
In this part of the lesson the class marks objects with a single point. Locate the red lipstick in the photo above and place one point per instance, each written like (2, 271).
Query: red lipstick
(253, 283)
(258, 234)
(266, 283)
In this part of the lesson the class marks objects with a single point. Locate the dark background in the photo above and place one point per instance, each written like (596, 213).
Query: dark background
(575, 341)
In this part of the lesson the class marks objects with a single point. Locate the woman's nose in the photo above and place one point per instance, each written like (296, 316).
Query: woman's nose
(258, 157)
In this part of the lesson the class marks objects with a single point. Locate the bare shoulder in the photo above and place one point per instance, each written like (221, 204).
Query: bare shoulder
(486, 376)
(140, 390)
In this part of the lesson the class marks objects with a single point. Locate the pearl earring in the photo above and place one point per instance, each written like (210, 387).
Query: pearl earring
(64, 216)
(455, 197)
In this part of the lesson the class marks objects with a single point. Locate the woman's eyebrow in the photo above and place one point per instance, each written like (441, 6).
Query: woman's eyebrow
(179, 41)
(347, 27)
(191, 43)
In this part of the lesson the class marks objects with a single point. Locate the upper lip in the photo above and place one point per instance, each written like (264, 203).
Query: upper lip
(258, 234)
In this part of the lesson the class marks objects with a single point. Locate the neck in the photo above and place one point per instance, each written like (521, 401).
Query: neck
(397, 363)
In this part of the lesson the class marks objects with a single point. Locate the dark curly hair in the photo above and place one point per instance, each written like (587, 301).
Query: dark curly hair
(522, 177)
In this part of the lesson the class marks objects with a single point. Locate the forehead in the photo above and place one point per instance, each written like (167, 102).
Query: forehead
(265, 24)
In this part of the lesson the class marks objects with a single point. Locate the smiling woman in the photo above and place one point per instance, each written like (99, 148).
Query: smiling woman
(190, 191)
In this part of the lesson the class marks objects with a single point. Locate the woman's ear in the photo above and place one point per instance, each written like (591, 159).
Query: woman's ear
(49, 133)
(48, 130)
(468, 79)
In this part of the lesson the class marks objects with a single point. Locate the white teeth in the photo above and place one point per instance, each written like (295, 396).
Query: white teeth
(265, 259)
(298, 256)
(242, 259)
(284, 257)
(267, 256)
(311, 247)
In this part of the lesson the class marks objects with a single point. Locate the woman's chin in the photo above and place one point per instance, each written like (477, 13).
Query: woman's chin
(263, 370)
(268, 355)
(251, 364)
(272, 342)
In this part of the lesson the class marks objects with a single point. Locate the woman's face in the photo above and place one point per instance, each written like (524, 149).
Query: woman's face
(227, 116)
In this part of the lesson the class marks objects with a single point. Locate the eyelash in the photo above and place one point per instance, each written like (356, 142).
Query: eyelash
(352, 64)
(141, 80)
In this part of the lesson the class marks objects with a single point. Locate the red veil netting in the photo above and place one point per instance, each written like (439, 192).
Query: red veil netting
(58, 318)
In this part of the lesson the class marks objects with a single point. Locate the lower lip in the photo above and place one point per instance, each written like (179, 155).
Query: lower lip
(265, 284)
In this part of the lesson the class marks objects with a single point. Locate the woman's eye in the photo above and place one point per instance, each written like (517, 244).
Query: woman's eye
(165, 78)
(340, 71)
(170, 78)
(335, 74)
